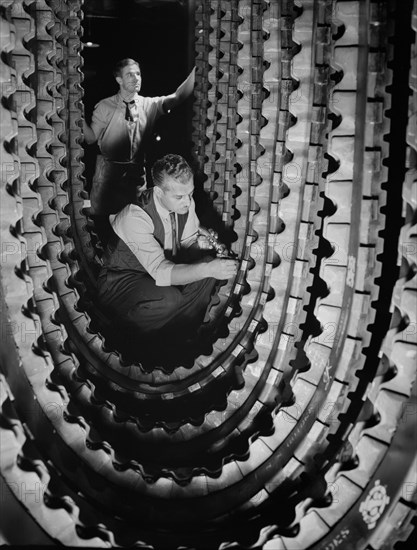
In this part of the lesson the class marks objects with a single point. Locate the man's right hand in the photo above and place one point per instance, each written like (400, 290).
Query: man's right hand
(218, 268)
(222, 268)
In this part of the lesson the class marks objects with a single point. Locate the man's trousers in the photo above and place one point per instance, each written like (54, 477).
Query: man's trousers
(135, 301)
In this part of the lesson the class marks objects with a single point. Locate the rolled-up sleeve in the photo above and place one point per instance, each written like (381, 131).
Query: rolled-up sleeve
(153, 108)
(135, 227)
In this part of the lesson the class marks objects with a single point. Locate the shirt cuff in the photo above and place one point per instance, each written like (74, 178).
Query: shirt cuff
(163, 275)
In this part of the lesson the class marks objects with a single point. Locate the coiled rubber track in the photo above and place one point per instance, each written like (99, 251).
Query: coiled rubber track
(295, 428)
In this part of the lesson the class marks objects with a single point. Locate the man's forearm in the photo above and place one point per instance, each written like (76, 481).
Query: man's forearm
(183, 274)
(218, 268)
(182, 92)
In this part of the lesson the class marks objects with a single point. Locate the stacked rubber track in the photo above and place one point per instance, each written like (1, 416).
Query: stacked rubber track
(284, 431)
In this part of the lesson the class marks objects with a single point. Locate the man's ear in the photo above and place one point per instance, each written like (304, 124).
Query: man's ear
(158, 191)
(119, 80)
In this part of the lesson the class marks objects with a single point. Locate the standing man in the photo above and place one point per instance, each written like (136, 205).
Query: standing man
(121, 124)
(148, 283)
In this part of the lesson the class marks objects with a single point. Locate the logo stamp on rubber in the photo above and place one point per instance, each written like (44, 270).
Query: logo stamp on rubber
(374, 505)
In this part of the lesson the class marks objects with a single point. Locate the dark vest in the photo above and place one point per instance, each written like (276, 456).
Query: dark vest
(119, 257)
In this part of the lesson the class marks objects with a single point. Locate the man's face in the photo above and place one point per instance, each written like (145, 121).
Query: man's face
(175, 195)
(130, 80)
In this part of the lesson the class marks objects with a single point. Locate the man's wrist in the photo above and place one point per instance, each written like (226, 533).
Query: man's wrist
(202, 270)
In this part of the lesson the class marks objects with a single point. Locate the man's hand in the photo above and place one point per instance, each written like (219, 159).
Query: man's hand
(209, 239)
(222, 269)
(204, 243)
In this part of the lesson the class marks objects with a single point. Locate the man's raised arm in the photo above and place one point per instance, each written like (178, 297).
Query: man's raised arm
(183, 91)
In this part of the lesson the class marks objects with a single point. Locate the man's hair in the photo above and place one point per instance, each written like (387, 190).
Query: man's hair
(120, 65)
(171, 165)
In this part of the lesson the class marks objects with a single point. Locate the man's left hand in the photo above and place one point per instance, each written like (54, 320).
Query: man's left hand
(204, 242)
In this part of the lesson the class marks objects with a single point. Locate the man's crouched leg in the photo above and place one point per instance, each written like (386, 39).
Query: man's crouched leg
(168, 323)
(171, 309)
(150, 317)
(152, 313)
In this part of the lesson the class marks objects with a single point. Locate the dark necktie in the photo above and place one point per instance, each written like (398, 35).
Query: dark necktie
(175, 243)
(128, 114)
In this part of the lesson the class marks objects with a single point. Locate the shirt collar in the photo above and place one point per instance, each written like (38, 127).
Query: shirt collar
(121, 101)
(162, 211)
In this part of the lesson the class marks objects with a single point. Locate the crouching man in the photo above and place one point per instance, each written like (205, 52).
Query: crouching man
(152, 281)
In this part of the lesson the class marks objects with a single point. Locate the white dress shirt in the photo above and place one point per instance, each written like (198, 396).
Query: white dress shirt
(135, 227)
(119, 140)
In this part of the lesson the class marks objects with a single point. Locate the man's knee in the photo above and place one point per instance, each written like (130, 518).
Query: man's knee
(150, 316)
(200, 291)
(172, 299)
